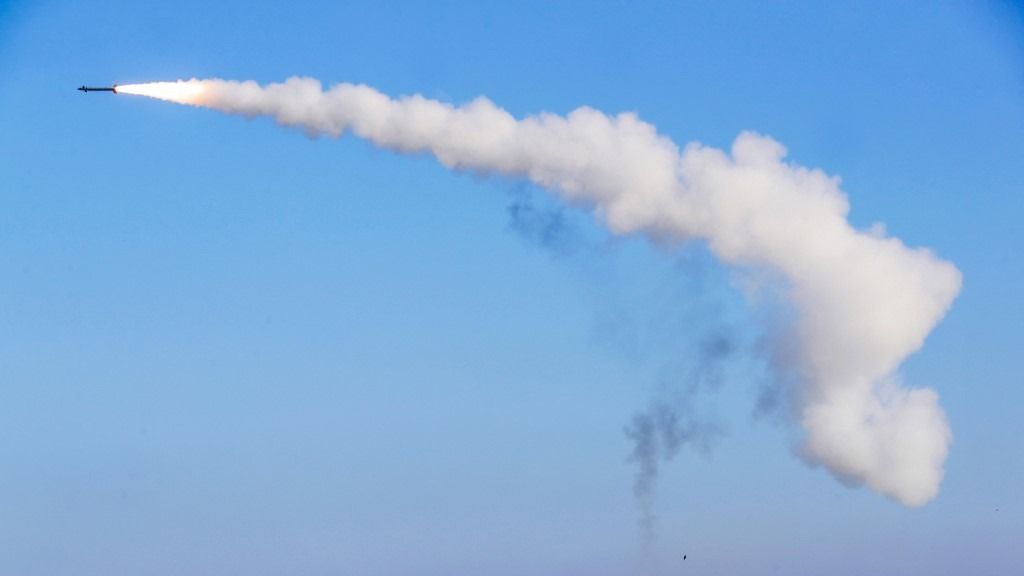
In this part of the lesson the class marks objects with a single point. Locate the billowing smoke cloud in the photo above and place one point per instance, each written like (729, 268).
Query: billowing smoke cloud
(862, 301)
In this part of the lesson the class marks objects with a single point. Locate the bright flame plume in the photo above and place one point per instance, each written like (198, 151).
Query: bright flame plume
(182, 91)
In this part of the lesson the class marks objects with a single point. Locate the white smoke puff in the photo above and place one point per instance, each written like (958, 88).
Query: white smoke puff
(863, 301)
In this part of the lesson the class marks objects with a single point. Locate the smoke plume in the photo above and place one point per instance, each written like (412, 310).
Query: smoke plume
(862, 301)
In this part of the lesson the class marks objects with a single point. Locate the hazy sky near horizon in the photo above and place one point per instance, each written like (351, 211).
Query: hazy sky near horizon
(226, 347)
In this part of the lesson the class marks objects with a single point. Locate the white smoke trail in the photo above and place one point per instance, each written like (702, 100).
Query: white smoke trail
(862, 301)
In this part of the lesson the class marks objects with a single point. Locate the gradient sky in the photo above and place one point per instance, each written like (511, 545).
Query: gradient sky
(226, 348)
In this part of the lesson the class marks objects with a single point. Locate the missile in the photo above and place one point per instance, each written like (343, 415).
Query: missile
(98, 89)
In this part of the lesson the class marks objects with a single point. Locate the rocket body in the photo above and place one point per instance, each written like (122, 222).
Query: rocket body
(98, 88)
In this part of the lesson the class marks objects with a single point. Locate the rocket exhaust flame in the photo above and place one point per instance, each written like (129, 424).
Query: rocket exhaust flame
(181, 92)
(862, 301)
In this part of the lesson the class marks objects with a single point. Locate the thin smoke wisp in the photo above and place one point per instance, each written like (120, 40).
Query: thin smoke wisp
(671, 422)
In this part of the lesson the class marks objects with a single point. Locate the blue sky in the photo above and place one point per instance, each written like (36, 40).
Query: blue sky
(228, 348)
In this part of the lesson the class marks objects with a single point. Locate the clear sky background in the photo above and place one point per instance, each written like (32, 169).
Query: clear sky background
(226, 348)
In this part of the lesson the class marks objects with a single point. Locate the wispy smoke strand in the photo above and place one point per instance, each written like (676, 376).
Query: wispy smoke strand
(672, 422)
